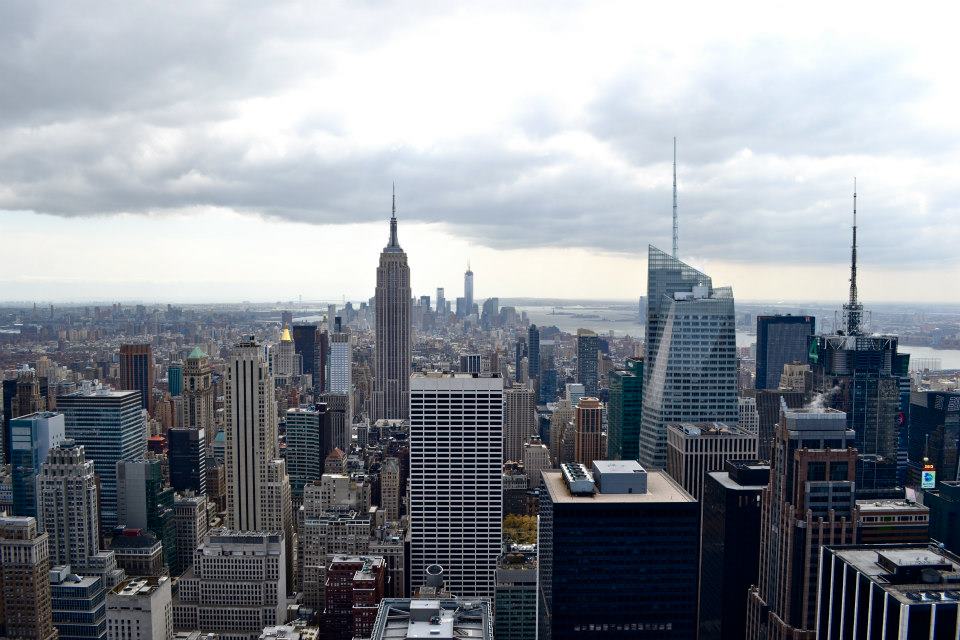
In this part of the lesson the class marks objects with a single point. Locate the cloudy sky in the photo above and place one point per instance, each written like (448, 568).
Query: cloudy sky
(245, 151)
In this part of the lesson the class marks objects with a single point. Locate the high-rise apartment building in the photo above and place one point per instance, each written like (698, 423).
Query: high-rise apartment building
(691, 359)
(729, 546)
(109, 426)
(341, 362)
(236, 586)
(588, 361)
(520, 420)
(625, 411)
(808, 504)
(187, 459)
(25, 607)
(136, 372)
(588, 424)
(456, 449)
(595, 529)
(391, 388)
(140, 608)
(896, 592)
(694, 450)
(781, 339)
(198, 405)
(32, 437)
(67, 506)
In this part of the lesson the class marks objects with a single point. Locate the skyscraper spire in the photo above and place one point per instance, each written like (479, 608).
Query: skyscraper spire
(675, 230)
(394, 243)
(853, 310)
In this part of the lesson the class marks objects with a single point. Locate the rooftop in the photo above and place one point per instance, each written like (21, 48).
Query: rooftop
(891, 505)
(910, 573)
(660, 488)
(696, 429)
(402, 618)
(138, 586)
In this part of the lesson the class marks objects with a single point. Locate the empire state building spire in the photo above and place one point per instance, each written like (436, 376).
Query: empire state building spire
(394, 244)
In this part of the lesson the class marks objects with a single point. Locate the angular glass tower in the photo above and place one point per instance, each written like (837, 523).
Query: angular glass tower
(691, 354)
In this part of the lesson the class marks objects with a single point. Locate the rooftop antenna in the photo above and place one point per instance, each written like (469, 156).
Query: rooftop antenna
(853, 310)
(394, 243)
(675, 231)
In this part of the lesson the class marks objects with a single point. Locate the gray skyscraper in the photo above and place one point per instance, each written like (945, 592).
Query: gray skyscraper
(468, 289)
(391, 390)
(588, 350)
(533, 352)
(691, 353)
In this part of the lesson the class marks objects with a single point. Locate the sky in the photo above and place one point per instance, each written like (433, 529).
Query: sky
(222, 152)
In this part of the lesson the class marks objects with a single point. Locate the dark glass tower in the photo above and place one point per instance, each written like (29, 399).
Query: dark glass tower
(625, 411)
(533, 352)
(781, 340)
(136, 372)
(588, 351)
(187, 455)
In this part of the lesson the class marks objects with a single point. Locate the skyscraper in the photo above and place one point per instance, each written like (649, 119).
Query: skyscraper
(781, 340)
(109, 425)
(187, 457)
(341, 362)
(694, 450)
(25, 607)
(391, 387)
(588, 353)
(691, 361)
(67, 507)
(809, 503)
(468, 289)
(309, 440)
(618, 554)
(456, 448)
(33, 436)
(305, 345)
(533, 352)
(136, 372)
(258, 490)
(625, 411)
(143, 502)
(175, 378)
(520, 421)
(198, 392)
(588, 420)
(441, 306)
(283, 355)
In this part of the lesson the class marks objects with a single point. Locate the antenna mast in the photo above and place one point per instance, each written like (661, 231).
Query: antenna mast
(675, 231)
(853, 310)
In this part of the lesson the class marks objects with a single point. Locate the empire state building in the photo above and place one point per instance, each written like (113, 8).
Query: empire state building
(391, 389)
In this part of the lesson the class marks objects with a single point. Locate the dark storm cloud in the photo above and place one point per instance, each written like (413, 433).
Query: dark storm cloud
(118, 108)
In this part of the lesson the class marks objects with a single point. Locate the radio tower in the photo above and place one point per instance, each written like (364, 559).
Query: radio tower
(675, 197)
(853, 310)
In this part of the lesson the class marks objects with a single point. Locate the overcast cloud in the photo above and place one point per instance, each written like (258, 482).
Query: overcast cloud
(518, 129)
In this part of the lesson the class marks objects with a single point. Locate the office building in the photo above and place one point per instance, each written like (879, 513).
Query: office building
(781, 339)
(340, 409)
(445, 619)
(21, 396)
(696, 449)
(258, 489)
(729, 546)
(32, 437)
(533, 352)
(236, 586)
(138, 552)
(625, 411)
(536, 458)
(441, 306)
(305, 346)
(691, 362)
(78, 605)
(140, 608)
(67, 506)
(136, 372)
(354, 588)
(470, 363)
(390, 488)
(309, 440)
(944, 504)
(898, 592)
(519, 420)
(768, 411)
(144, 502)
(391, 384)
(515, 600)
(490, 313)
(187, 457)
(933, 433)
(598, 527)
(341, 362)
(324, 531)
(588, 361)
(892, 522)
(25, 608)
(808, 504)
(749, 416)
(588, 425)
(175, 378)
(796, 376)
(198, 400)
(109, 426)
(456, 449)
(190, 522)
(284, 358)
